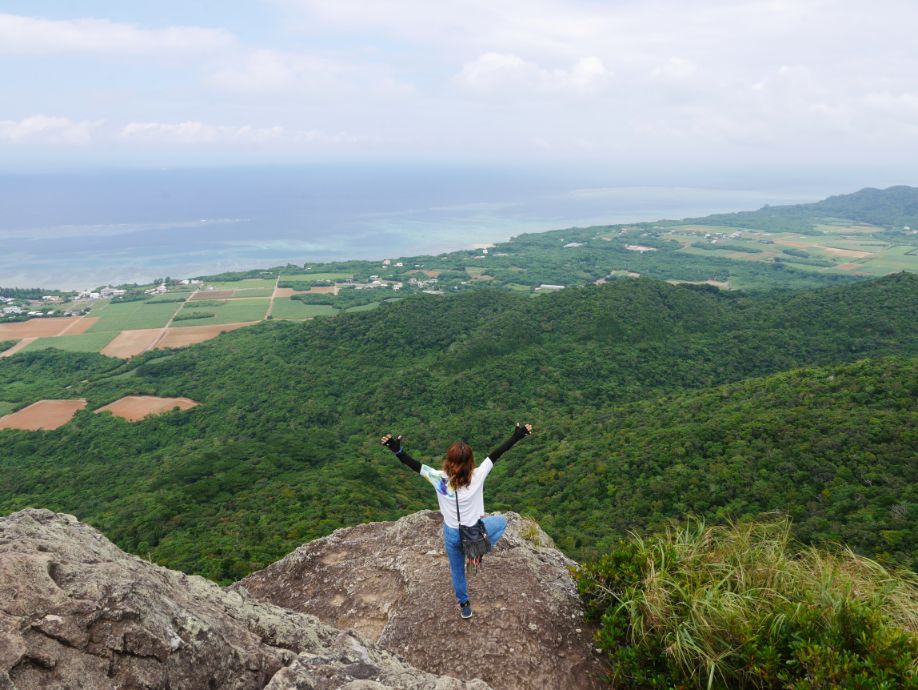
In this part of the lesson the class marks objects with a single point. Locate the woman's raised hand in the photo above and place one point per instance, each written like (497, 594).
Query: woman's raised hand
(522, 430)
(393, 443)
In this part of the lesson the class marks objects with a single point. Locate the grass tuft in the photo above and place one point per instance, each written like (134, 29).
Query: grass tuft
(745, 606)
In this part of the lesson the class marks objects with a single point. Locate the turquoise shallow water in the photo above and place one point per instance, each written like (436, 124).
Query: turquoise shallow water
(78, 230)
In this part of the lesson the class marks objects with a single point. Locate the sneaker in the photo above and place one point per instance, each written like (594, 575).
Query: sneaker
(465, 610)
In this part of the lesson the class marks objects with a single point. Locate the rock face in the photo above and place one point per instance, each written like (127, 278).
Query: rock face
(77, 612)
(390, 582)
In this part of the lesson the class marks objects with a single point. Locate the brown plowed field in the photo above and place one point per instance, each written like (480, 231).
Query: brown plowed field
(211, 294)
(129, 343)
(191, 335)
(135, 407)
(41, 328)
(286, 292)
(43, 415)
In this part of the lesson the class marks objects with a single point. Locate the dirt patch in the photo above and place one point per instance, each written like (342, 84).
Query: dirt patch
(130, 343)
(323, 290)
(22, 344)
(847, 253)
(211, 294)
(80, 325)
(43, 415)
(42, 328)
(191, 335)
(710, 281)
(136, 407)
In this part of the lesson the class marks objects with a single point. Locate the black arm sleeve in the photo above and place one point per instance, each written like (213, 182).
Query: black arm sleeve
(518, 433)
(408, 461)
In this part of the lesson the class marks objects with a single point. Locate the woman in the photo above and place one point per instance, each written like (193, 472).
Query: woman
(460, 477)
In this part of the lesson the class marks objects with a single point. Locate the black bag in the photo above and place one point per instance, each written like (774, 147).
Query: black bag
(474, 539)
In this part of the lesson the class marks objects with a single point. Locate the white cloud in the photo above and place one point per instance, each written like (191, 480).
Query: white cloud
(45, 129)
(504, 73)
(287, 75)
(675, 68)
(39, 36)
(198, 133)
(270, 71)
(193, 132)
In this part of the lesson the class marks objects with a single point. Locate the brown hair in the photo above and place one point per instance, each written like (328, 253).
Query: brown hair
(459, 463)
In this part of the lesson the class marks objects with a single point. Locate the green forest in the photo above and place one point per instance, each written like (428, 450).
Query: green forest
(650, 401)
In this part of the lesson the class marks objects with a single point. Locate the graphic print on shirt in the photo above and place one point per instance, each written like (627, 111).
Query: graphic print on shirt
(439, 480)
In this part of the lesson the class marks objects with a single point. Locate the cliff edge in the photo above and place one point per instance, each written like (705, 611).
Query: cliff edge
(77, 612)
(390, 582)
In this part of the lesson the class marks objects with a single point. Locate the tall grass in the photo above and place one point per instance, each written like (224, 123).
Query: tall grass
(744, 606)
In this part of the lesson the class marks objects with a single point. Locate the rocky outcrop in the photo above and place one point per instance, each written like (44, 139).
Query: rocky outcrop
(390, 582)
(77, 612)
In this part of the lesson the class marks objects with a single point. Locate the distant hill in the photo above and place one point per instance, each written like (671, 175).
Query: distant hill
(283, 446)
(893, 208)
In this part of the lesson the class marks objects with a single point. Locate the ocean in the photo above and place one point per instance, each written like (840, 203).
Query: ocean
(75, 230)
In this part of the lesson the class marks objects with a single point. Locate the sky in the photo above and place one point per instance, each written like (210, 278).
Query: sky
(653, 85)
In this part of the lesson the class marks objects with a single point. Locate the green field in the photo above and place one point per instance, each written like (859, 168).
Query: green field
(6, 407)
(131, 315)
(287, 308)
(316, 276)
(365, 307)
(232, 311)
(86, 342)
(244, 284)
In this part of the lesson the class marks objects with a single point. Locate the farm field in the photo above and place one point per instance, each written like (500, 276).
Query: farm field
(126, 316)
(192, 335)
(245, 284)
(364, 307)
(257, 292)
(230, 311)
(130, 343)
(39, 328)
(133, 408)
(300, 277)
(232, 294)
(169, 297)
(86, 342)
(286, 308)
(848, 248)
(43, 415)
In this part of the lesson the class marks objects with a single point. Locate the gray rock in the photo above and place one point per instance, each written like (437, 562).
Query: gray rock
(77, 612)
(389, 581)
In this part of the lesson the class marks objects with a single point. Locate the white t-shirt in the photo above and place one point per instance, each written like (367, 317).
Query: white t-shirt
(471, 497)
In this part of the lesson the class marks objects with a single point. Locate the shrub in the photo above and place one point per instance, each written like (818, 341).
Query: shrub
(744, 607)
(192, 315)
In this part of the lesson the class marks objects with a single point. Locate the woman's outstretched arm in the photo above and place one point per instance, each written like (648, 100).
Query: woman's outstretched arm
(519, 432)
(394, 443)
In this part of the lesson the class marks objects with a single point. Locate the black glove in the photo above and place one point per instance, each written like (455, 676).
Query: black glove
(394, 443)
(520, 432)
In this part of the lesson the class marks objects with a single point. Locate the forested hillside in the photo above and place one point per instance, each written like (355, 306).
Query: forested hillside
(892, 208)
(649, 399)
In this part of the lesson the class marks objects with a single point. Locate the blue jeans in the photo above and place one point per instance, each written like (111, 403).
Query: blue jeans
(494, 525)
